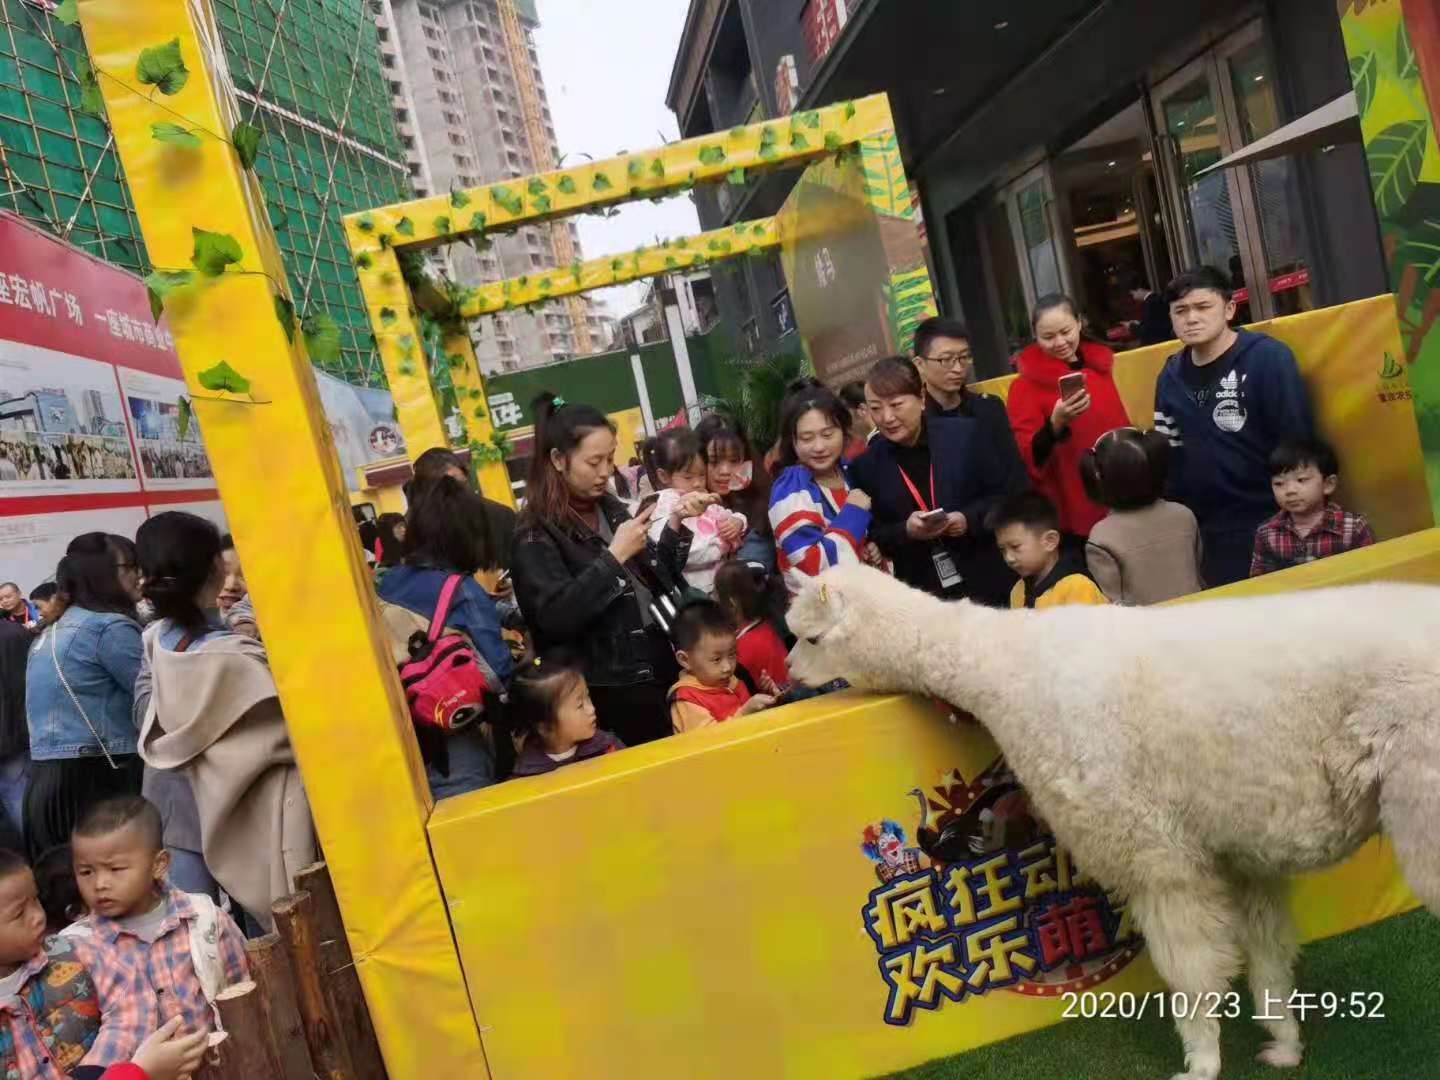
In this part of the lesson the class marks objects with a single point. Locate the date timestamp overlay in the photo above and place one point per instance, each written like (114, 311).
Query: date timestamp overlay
(1173, 1005)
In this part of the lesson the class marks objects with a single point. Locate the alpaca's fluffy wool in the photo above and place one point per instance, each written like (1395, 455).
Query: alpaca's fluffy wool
(1193, 757)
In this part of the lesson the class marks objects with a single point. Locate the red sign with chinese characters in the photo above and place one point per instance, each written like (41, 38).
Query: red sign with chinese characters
(95, 425)
(820, 24)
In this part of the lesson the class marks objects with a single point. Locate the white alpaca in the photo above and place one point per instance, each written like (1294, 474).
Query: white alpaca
(1192, 757)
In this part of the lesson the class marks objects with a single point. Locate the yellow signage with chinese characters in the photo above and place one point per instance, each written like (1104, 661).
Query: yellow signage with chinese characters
(840, 888)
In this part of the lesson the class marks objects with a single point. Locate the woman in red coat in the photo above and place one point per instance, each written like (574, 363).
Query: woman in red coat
(1054, 430)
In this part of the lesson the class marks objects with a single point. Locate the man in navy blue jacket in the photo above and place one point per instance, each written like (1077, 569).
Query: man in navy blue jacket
(1225, 401)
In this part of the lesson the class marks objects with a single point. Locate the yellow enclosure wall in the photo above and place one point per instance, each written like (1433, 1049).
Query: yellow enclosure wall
(697, 907)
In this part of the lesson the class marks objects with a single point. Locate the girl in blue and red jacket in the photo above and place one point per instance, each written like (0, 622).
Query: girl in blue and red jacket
(1054, 433)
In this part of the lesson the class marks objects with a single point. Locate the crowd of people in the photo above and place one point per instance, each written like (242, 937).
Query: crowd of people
(30, 456)
(150, 794)
(174, 461)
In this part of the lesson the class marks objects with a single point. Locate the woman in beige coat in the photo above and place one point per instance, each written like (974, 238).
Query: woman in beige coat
(209, 710)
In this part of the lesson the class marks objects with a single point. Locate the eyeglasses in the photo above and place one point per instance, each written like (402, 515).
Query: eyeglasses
(950, 360)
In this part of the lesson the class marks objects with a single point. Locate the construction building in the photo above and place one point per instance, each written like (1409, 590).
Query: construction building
(470, 108)
(309, 75)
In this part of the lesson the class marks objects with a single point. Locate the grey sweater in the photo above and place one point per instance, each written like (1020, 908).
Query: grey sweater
(1146, 556)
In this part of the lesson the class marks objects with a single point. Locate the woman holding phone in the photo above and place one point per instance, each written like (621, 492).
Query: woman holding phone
(1064, 399)
(933, 481)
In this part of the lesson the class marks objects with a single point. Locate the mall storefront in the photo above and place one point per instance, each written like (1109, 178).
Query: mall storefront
(1071, 145)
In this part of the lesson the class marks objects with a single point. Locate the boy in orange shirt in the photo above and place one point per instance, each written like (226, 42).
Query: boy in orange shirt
(708, 693)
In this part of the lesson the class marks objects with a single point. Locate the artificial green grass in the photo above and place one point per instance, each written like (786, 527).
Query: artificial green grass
(1399, 958)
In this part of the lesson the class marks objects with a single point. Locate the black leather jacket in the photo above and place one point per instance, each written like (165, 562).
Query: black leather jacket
(574, 593)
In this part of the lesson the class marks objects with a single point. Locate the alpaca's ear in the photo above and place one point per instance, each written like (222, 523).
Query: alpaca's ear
(832, 602)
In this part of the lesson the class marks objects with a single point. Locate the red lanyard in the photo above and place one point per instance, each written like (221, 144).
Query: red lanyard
(914, 491)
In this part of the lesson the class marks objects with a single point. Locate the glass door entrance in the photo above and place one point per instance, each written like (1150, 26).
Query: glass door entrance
(1244, 220)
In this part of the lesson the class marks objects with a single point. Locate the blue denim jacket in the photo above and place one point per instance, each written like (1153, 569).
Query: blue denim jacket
(100, 653)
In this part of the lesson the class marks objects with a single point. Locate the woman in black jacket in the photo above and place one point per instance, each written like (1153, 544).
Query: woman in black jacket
(586, 576)
(932, 481)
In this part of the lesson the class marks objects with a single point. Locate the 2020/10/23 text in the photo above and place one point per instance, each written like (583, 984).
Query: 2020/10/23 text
(1089, 1005)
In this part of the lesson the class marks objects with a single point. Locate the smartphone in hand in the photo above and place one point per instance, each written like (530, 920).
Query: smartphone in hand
(1072, 384)
(933, 517)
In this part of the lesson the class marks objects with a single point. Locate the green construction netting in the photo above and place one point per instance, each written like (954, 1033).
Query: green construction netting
(338, 151)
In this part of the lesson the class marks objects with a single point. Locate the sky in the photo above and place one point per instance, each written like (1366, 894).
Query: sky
(607, 69)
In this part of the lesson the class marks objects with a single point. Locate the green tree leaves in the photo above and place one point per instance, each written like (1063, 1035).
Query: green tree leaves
(162, 67)
(91, 100)
(246, 140)
(175, 135)
(214, 252)
(160, 283)
(712, 155)
(1406, 66)
(322, 338)
(1396, 156)
(68, 12)
(285, 313)
(223, 379)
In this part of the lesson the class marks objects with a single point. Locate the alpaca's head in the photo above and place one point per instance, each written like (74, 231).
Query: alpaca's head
(861, 625)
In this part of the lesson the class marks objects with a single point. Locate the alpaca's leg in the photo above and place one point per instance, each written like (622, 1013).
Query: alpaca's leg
(1189, 922)
(1410, 800)
(1268, 937)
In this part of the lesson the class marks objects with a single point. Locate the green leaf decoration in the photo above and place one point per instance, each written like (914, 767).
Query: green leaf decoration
(768, 152)
(522, 280)
(657, 168)
(407, 368)
(810, 119)
(601, 182)
(720, 246)
(363, 261)
(477, 220)
(405, 227)
(442, 223)
(616, 264)
(365, 223)
(322, 338)
(214, 252)
(162, 67)
(541, 203)
(635, 169)
(565, 185)
(833, 141)
(459, 200)
(406, 343)
(223, 379)
(545, 285)
(68, 12)
(670, 261)
(388, 316)
(1421, 248)
(849, 111)
(737, 132)
(757, 231)
(159, 284)
(1396, 156)
(576, 269)
(798, 141)
(455, 360)
(712, 155)
(175, 135)
(385, 241)
(508, 199)
(1364, 73)
(91, 100)
(285, 313)
(183, 414)
(246, 140)
(735, 177)
(536, 186)
(479, 413)
(1406, 67)
(767, 136)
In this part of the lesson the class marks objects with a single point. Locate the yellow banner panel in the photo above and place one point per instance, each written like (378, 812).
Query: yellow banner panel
(279, 477)
(1351, 359)
(839, 888)
(643, 262)
(668, 170)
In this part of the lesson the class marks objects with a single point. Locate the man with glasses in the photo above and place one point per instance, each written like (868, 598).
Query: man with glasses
(947, 364)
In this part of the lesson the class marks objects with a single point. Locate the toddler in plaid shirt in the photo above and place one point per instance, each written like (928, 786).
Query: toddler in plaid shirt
(1304, 474)
(155, 952)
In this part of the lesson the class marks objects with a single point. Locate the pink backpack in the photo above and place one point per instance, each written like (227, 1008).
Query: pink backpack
(445, 678)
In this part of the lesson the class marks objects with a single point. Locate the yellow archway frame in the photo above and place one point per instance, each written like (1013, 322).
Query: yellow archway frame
(187, 151)
(378, 239)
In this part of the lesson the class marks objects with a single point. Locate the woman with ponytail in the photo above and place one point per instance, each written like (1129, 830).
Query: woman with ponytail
(586, 573)
(219, 763)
